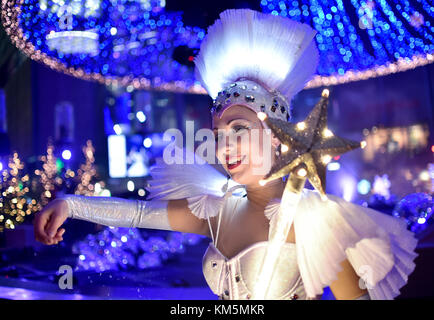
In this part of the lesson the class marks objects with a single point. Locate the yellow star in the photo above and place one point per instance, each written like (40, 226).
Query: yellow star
(307, 146)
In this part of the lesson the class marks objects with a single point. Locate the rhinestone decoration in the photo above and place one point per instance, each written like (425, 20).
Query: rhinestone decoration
(275, 103)
(250, 98)
(255, 96)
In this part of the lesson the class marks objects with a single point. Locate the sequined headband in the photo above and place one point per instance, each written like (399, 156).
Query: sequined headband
(254, 96)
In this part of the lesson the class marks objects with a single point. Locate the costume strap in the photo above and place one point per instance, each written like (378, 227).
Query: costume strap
(228, 194)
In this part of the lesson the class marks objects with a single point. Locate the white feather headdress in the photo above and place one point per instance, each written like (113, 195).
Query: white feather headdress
(277, 53)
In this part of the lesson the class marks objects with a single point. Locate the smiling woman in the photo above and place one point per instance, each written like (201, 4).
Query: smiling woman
(243, 145)
(252, 63)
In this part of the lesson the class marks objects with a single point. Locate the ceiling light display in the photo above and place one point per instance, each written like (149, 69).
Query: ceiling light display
(358, 40)
(116, 42)
(139, 43)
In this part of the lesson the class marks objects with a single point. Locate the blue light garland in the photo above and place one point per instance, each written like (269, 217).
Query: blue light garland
(125, 42)
(363, 39)
(113, 41)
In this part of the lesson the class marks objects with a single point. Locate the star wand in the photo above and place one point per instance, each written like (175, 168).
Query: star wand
(307, 147)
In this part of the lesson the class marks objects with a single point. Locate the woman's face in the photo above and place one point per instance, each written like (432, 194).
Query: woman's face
(244, 148)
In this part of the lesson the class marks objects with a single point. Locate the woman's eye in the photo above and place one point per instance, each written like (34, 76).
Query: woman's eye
(235, 129)
(238, 128)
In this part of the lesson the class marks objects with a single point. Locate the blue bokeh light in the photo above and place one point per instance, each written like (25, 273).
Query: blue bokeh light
(360, 35)
(117, 39)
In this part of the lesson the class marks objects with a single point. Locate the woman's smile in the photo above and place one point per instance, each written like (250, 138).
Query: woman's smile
(234, 163)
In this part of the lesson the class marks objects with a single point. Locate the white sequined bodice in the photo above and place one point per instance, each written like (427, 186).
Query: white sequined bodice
(235, 278)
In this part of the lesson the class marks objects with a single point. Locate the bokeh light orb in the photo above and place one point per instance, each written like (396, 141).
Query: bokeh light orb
(417, 209)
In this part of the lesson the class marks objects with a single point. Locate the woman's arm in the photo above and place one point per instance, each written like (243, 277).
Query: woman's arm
(347, 287)
(183, 220)
(172, 215)
(118, 212)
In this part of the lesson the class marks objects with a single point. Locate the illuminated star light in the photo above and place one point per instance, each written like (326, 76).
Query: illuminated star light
(311, 148)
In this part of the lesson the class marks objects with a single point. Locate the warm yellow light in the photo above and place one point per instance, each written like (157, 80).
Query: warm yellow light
(302, 172)
(262, 182)
(326, 159)
(327, 133)
(325, 93)
(363, 144)
(284, 148)
(301, 125)
(262, 116)
(424, 175)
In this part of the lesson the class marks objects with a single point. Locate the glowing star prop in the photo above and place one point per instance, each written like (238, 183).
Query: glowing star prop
(307, 148)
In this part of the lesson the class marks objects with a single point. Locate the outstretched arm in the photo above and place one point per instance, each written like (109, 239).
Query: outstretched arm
(172, 215)
(118, 212)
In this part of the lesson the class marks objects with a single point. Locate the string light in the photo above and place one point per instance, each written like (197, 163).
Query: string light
(87, 173)
(262, 116)
(327, 133)
(302, 172)
(97, 43)
(301, 125)
(262, 182)
(326, 159)
(388, 36)
(15, 202)
(48, 174)
(114, 42)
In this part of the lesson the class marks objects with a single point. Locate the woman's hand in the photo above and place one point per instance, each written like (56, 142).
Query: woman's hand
(48, 221)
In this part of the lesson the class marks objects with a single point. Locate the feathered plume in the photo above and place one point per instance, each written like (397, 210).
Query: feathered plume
(276, 52)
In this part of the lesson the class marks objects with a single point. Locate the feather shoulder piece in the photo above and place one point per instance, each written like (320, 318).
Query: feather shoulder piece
(204, 187)
(379, 247)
